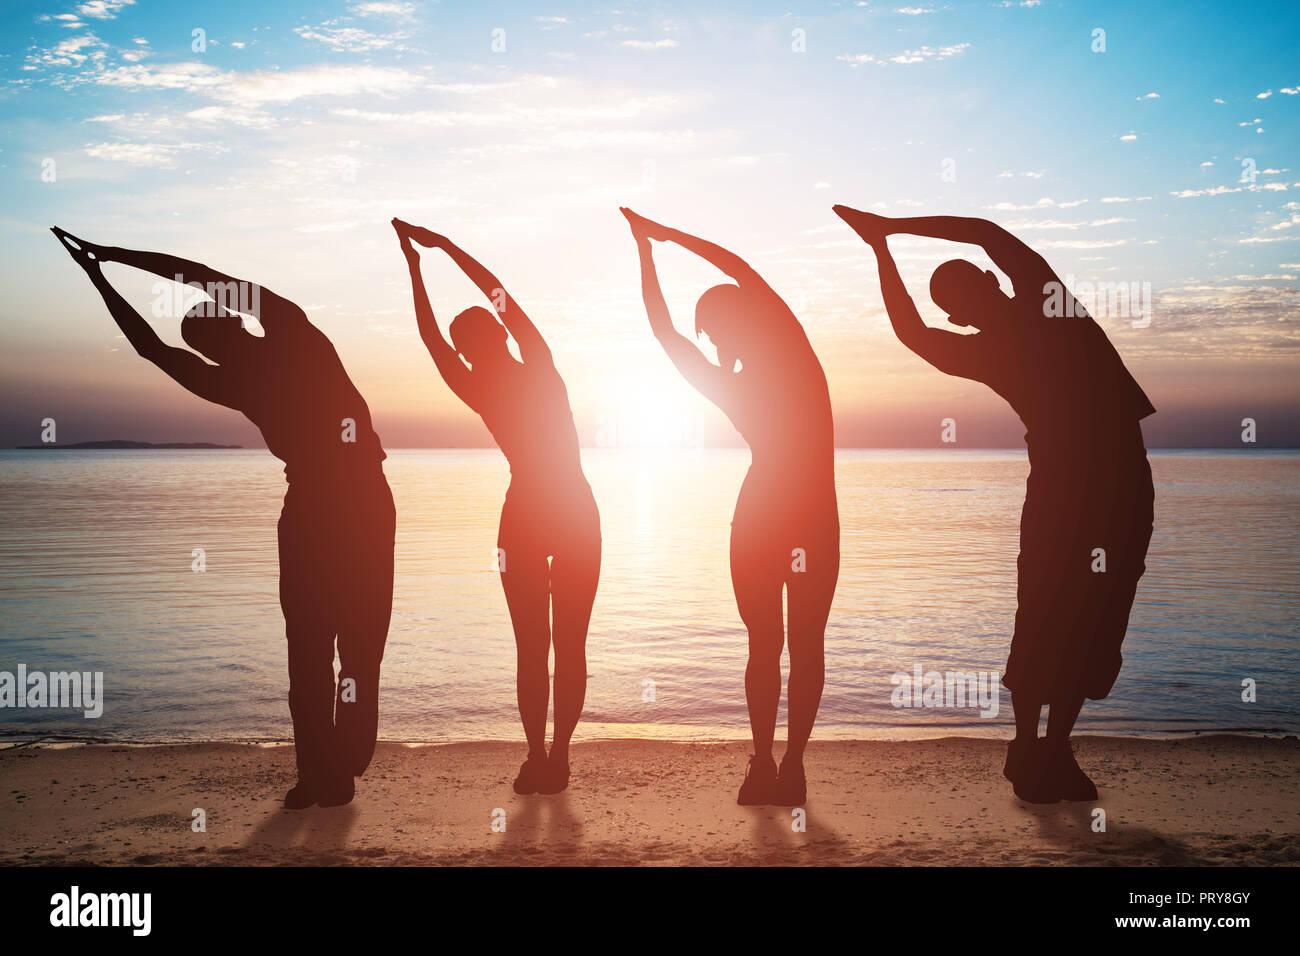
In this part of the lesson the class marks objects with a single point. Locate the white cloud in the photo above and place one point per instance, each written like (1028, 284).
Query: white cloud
(1225, 190)
(103, 9)
(399, 10)
(159, 155)
(1045, 203)
(349, 39)
(327, 226)
(261, 87)
(74, 52)
(1062, 224)
(921, 55)
(232, 115)
(519, 116)
(664, 44)
(1081, 243)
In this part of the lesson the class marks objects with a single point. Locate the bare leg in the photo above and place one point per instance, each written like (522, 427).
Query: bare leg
(758, 596)
(526, 580)
(575, 573)
(809, 595)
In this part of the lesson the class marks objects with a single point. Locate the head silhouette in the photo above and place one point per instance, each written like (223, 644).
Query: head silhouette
(215, 333)
(720, 314)
(970, 295)
(479, 336)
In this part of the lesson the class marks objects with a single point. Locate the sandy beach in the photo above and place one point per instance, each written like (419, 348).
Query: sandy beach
(1214, 800)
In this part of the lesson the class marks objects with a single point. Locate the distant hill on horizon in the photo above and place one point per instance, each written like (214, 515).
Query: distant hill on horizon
(119, 444)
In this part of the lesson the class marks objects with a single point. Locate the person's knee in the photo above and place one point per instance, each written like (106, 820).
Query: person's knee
(765, 653)
(310, 665)
(808, 660)
(532, 655)
(358, 692)
(807, 651)
(571, 665)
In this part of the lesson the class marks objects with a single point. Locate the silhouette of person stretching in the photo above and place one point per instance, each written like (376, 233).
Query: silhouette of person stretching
(785, 534)
(1088, 509)
(336, 529)
(549, 511)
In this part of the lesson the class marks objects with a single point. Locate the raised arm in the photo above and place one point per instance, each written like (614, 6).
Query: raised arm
(712, 381)
(532, 347)
(723, 259)
(272, 311)
(1027, 270)
(454, 371)
(204, 380)
(947, 351)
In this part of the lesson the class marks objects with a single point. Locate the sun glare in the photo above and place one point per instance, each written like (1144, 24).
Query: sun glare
(648, 412)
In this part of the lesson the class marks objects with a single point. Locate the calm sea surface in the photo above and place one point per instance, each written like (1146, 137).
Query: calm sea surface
(95, 575)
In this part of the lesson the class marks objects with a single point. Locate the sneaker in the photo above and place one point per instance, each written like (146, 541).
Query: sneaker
(759, 788)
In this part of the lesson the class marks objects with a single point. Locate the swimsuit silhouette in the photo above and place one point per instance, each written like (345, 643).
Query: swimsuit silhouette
(549, 511)
(1087, 517)
(336, 528)
(785, 535)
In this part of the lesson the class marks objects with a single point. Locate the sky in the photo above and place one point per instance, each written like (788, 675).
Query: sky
(1152, 145)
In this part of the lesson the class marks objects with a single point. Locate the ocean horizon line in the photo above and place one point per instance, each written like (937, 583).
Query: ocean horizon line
(214, 446)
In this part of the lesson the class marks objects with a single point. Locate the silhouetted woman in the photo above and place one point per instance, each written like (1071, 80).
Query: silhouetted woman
(1088, 508)
(336, 528)
(785, 535)
(549, 510)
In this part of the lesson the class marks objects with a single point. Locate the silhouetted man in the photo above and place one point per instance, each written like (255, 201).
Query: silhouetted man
(336, 529)
(1087, 516)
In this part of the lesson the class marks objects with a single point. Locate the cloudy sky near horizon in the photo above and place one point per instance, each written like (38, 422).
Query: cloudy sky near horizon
(279, 147)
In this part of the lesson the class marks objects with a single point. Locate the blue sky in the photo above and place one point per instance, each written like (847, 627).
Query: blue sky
(280, 150)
